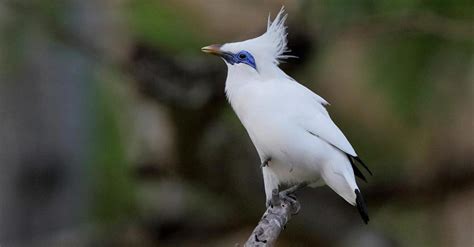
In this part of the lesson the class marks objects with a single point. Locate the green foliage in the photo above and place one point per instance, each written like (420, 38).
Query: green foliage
(412, 226)
(111, 182)
(403, 66)
(338, 13)
(161, 26)
(399, 64)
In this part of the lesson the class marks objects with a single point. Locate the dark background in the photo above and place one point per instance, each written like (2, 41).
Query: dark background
(115, 131)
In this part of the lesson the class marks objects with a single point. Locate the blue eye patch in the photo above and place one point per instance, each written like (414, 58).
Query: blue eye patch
(240, 57)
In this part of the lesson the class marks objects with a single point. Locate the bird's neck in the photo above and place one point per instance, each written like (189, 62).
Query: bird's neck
(238, 78)
(235, 81)
(243, 73)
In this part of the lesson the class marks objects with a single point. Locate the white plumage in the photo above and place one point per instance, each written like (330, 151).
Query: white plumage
(288, 123)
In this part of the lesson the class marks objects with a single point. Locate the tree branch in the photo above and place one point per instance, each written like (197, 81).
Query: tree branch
(283, 206)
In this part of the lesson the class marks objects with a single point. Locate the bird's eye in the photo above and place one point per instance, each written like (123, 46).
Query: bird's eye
(242, 56)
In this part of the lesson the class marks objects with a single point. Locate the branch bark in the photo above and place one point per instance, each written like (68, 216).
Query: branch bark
(283, 206)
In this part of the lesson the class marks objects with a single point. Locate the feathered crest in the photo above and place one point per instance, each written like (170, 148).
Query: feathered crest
(276, 35)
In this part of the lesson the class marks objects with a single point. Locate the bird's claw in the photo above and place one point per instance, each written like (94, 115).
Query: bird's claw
(285, 197)
(289, 197)
(274, 200)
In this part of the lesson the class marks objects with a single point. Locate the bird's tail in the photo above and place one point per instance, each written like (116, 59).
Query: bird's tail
(361, 206)
(339, 176)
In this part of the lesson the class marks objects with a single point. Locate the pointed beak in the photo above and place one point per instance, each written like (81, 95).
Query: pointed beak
(213, 49)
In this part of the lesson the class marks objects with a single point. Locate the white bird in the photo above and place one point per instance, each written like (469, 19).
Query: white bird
(296, 139)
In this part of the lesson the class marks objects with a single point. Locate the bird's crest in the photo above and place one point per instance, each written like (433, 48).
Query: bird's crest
(276, 36)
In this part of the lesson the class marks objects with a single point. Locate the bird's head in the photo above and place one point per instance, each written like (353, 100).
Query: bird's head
(259, 55)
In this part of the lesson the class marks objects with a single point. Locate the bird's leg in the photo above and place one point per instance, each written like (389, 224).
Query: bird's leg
(265, 162)
(275, 199)
(286, 195)
(289, 195)
(293, 189)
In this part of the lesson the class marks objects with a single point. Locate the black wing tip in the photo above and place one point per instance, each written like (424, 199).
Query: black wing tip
(357, 172)
(363, 164)
(362, 207)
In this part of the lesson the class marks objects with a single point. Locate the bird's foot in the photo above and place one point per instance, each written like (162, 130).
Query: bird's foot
(286, 197)
(275, 200)
(265, 162)
(269, 203)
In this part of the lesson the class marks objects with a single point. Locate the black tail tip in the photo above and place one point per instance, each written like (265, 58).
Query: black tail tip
(362, 207)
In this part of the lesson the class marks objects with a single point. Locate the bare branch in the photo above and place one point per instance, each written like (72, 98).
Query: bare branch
(283, 206)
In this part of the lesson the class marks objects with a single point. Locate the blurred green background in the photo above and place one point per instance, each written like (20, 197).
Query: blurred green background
(115, 131)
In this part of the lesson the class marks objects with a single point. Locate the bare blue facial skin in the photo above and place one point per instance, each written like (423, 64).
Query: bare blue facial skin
(240, 57)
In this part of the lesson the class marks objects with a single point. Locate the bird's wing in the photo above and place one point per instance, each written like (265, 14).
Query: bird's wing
(307, 110)
(314, 118)
(321, 125)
